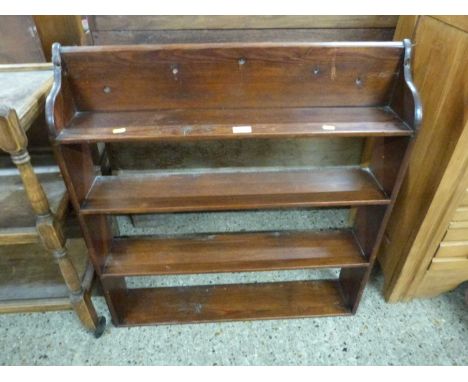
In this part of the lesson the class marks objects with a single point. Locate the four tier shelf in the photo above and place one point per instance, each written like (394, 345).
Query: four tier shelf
(130, 95)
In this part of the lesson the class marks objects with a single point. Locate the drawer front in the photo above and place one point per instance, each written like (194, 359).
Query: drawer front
(449, 264)
(461, 214)
(456, 234)
(465, 199)
(450, 249)
(457, 231)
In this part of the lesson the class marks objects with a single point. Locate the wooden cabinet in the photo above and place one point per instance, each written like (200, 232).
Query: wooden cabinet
(19, 40)
(425, 248)
(28, 39)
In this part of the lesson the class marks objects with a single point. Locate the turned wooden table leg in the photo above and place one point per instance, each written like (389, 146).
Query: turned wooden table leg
(14, 141)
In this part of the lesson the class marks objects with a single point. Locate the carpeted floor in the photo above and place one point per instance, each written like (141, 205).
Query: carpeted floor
(423, 332)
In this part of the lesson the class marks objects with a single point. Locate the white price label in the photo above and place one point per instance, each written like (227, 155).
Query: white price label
(242, 129)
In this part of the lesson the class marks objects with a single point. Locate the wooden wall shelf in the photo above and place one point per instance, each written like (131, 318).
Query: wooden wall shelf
(179, 93)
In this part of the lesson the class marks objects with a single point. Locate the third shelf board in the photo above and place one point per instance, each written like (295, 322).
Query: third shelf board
(233, 252)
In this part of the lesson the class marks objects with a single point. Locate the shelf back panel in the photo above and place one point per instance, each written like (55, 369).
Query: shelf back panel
(200, 76)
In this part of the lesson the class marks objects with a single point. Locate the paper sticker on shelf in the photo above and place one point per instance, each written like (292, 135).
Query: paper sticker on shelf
(328, 127)
(119, 131)
(241, 129)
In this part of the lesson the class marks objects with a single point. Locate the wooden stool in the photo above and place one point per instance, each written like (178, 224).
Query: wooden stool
(13, 140)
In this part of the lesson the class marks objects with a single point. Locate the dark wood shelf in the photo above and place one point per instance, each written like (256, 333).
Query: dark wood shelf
(176, 93)
(232, 302)
(126, 194)
(218, 124)
(235, 252)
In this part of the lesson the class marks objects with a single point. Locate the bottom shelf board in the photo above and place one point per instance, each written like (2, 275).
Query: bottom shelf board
(17, 218)
(176, 305)
(30, 279)
(35, 305)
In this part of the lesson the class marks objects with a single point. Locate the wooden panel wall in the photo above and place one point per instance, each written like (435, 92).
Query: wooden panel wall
(171, 29)
(433, 185)
(67, 30)
(28, 39)
(19, 40)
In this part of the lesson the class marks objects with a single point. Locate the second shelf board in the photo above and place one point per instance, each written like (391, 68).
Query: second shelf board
(232, 124)
(216, 191)
(233, 252)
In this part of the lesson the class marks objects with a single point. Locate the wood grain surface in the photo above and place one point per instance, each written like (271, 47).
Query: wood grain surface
(123, 94)
(145, 77)
(233, 252)
(221, 124)
(102, 23)
(432, 188)
(232, 190)
(24, 89)
(232, 302)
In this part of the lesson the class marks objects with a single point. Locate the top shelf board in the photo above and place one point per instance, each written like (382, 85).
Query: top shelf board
(24, 89)
(232, 124)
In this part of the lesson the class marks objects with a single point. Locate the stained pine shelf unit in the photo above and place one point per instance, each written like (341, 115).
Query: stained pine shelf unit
(179, 93)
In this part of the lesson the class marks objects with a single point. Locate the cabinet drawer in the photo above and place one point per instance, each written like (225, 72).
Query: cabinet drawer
(461, 214)
(465, 199)
(458, 225)
(449, 264)
(457, 249)
(456, 234)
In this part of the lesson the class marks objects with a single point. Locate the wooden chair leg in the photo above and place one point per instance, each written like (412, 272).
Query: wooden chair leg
(84, 308)
(79, 297)
(13, 140)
